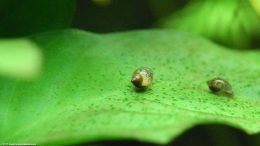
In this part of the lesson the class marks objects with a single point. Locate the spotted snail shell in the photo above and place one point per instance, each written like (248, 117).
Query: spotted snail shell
(220, 86)
(142, 78)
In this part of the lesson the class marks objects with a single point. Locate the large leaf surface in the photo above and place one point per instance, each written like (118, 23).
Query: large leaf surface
(85, 94)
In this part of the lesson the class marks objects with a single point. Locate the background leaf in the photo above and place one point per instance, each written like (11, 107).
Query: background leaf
(232, 23)
(20, 58)
(89, 96)
(256, 5)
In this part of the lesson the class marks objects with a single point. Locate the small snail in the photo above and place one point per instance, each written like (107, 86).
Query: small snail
(142, 78)
(220, 86)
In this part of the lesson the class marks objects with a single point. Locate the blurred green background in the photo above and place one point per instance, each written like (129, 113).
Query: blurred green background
(232, 23)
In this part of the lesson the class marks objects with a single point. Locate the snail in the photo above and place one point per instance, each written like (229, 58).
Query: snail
(220, 86)
(142, 78)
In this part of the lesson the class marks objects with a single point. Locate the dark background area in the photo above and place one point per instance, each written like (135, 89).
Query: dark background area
(122, 15)
(118, 15)
(201, 135)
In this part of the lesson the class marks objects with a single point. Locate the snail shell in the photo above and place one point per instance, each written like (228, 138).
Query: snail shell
(220, 86)
(142, 78)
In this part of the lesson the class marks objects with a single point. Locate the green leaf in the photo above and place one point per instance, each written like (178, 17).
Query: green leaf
(233, 23)
(19, 18)
(20, 58)
(85, 92)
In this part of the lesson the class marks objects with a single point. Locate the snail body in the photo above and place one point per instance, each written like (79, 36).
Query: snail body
(220, 86)
(142, 78)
